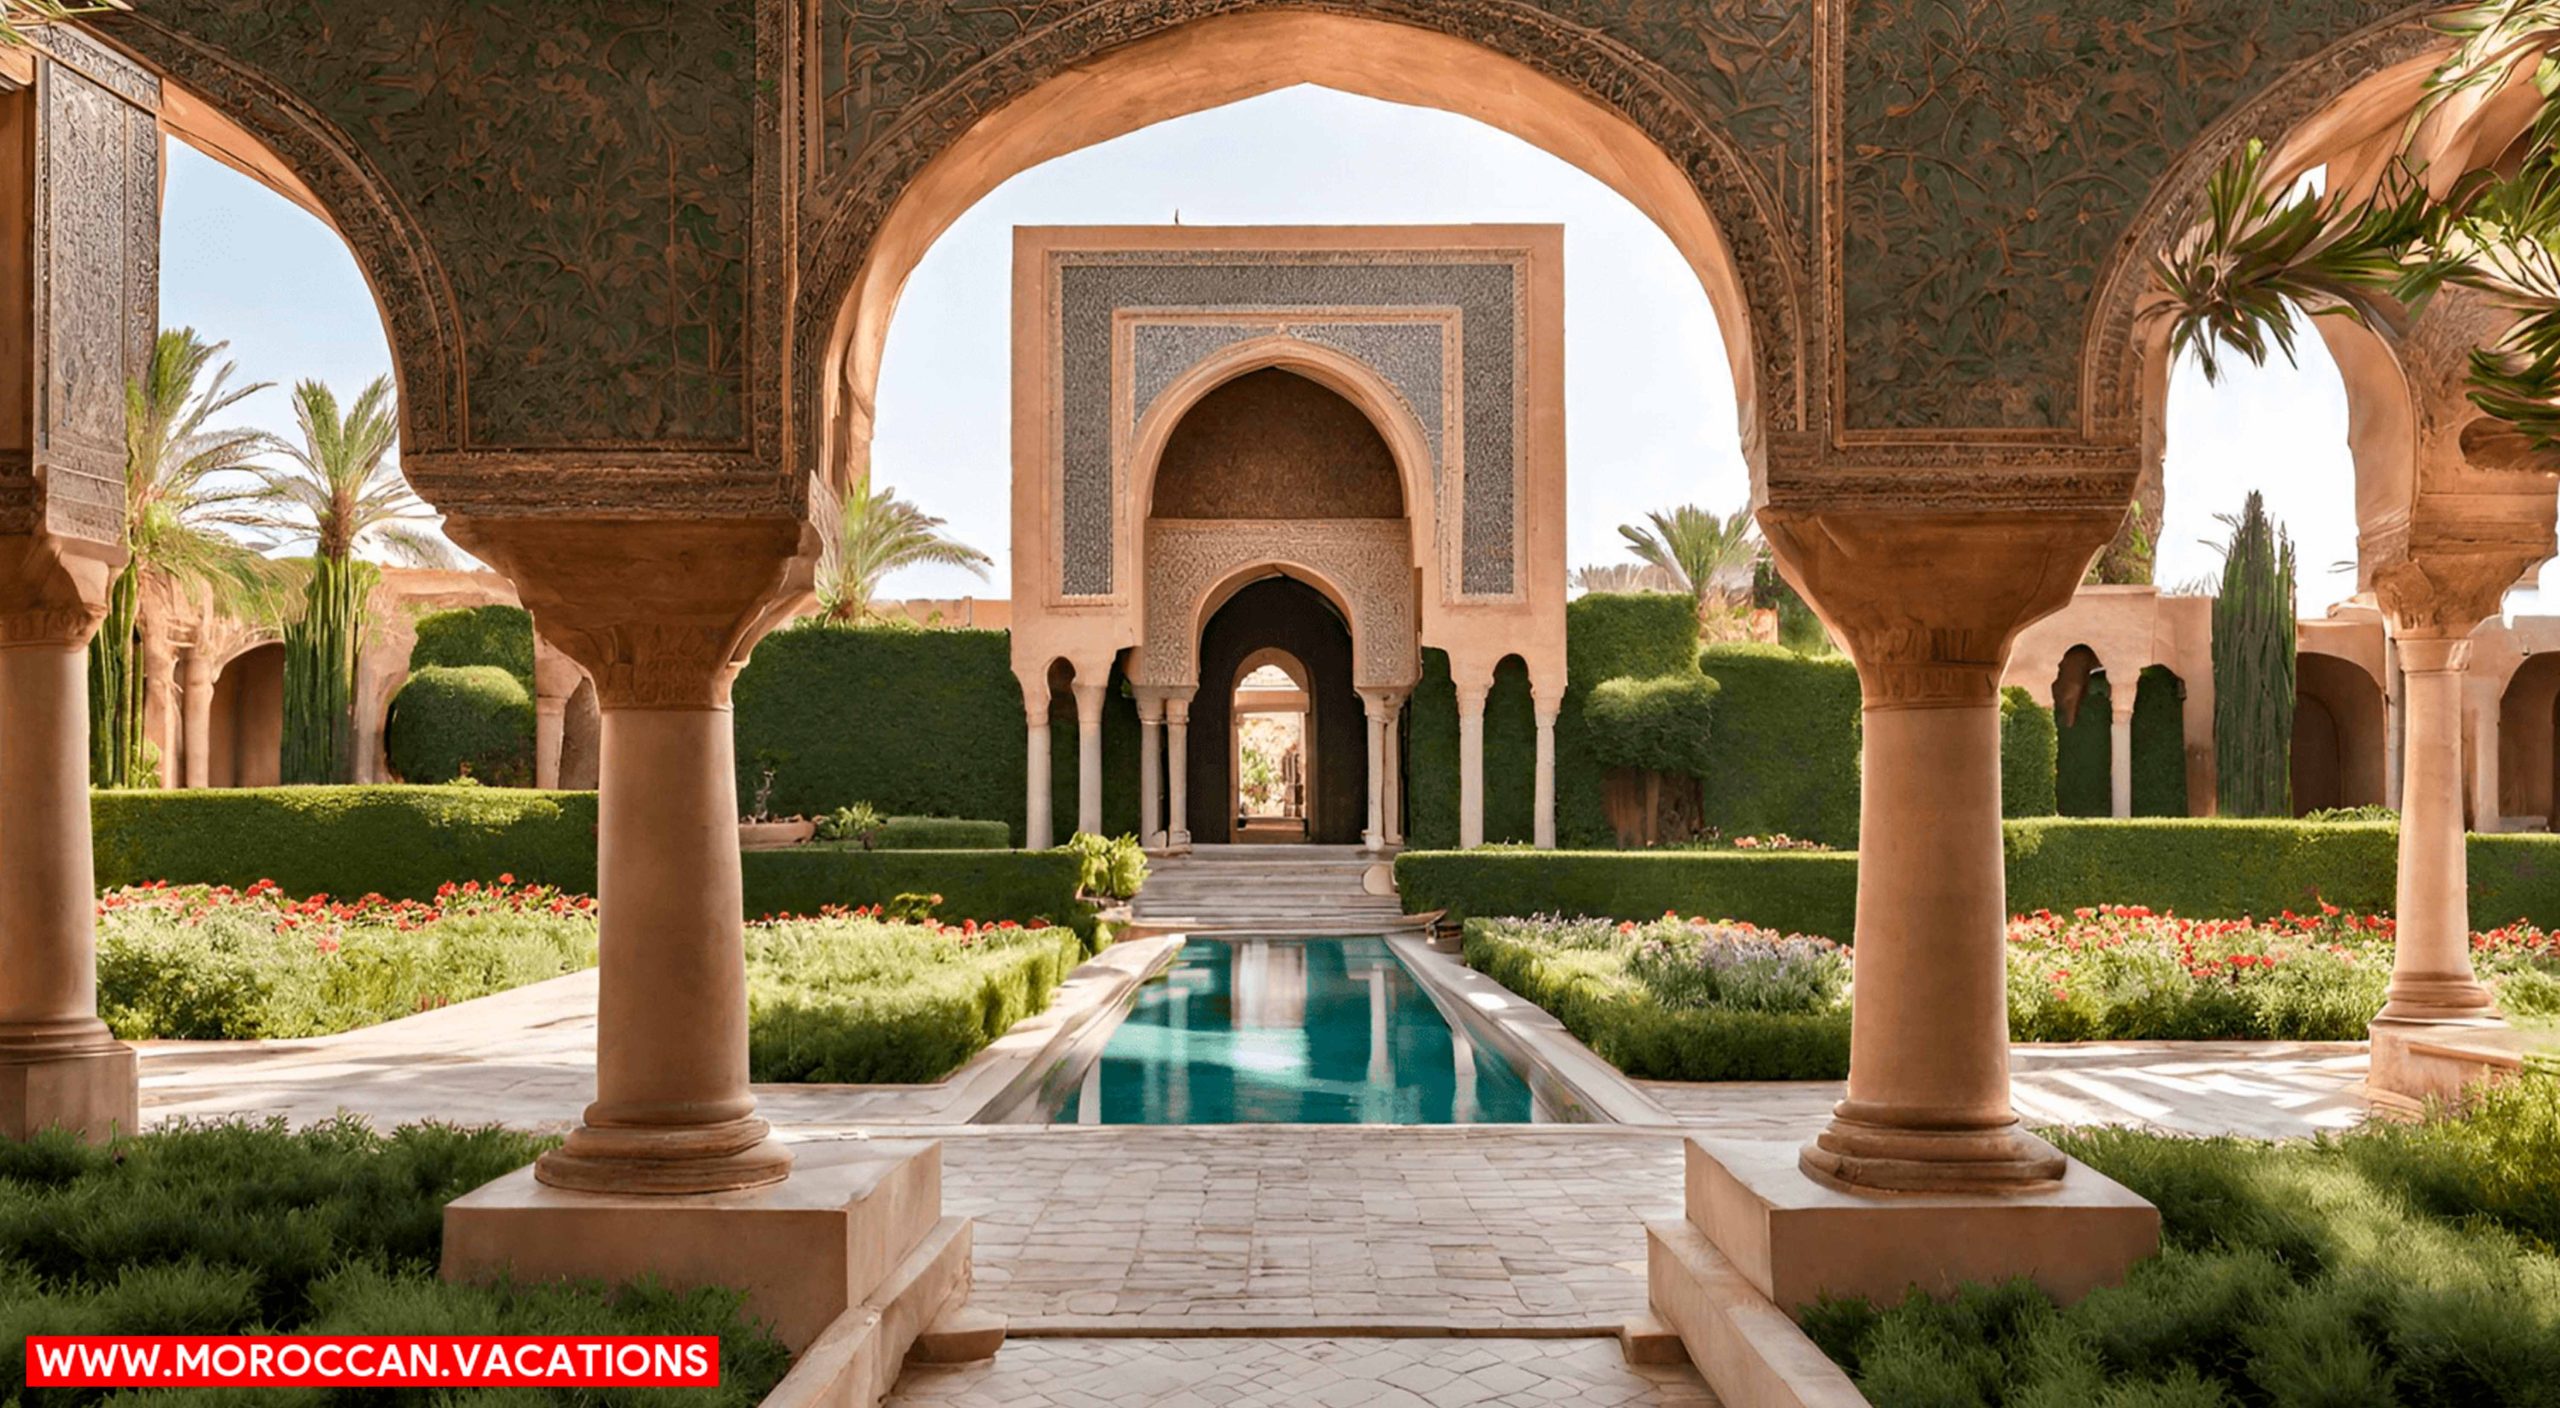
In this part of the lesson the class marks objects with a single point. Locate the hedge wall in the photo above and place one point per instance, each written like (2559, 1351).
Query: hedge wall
(397, 841)
(2084, 755)
(1786, 744)
(2201, 868)
(449, 719)
(982, 885)
(2026, 755)
(941, 833)
(1805, 891)
(912, 722)
(405, 841)
(476, 635)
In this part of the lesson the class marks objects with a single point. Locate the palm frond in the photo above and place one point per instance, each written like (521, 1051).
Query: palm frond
(875, 534)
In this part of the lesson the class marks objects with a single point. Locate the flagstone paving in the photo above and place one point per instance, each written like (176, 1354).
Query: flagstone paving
(1303, 1373)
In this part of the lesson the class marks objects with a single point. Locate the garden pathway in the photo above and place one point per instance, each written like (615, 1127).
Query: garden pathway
(1288, 1373)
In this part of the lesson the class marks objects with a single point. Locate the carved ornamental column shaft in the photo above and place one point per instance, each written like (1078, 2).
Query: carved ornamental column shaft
(2431, 974)
(661, 615)
(1928, 605)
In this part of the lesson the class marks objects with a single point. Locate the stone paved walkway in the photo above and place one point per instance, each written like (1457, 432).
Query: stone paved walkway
(1303, 1373)
(1273, 1227)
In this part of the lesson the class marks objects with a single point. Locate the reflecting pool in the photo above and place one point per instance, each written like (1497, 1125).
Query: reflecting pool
(1292, 1031)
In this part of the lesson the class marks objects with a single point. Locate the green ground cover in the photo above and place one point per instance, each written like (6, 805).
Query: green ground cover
(845, 996)
(2400, 1266)
(249, 1229)
(1674, 999)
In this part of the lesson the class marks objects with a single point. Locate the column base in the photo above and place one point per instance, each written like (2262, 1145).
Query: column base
(1797, 1238)
(2415, 1062)
(804, 1251)
(1857, 1156)
(2438, 997)
(90, 1087)
(666, 1161)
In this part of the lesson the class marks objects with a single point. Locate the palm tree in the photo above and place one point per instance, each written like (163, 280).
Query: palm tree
(1624, 577)
(1703, 555)
(340, 491)
(174, 461)
(875, 534)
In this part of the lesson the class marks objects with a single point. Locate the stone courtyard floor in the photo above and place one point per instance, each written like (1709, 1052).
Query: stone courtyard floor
(1258, 1264)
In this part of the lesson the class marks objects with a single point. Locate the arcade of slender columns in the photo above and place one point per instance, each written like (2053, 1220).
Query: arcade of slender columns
(1374, 706)
(1390, 781)
(1177, 761)
(1036, 795)
(1544, 835)
(1471, 697)
(1089, 700)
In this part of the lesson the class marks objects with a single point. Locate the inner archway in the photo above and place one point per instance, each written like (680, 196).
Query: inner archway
(2338, 734)
(246, 741)
(1272, 737)
(1262, 621)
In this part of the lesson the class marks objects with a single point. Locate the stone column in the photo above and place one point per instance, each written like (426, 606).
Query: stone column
(59, 1066)
(1089, 699)
(661, 614)
(555, 678)
(1471, 697)
(2431, 976)
(196, 751)
(1036, 800)
(1374, 705)
(1177, 762)
(1544, 825)
(2120, 752)
(1928, 605)
(1150, 771)
(1393, 780)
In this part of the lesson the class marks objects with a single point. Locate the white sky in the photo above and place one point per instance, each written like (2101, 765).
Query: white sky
(1649, 405)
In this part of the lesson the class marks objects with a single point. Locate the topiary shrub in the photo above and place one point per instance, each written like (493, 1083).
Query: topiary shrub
(2027, 743)
(1658, 724)
(476, 635)
(452, 721)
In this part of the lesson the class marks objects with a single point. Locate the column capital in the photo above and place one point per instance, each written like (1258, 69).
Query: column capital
(1089, 699)
(1928, 603)
(659, 612)
(2430, 655)
(2435, 594)
(2121, 704)
(53, 590)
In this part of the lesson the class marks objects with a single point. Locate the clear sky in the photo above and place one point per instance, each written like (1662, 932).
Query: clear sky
(1649, 405)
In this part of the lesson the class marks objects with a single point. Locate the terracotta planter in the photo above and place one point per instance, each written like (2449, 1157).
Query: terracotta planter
(774, 835)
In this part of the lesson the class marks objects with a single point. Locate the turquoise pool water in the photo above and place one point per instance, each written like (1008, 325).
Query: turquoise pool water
(1292, 1031)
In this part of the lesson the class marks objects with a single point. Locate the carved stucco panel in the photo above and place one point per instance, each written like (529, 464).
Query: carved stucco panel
(96, 244)
(1367, 560)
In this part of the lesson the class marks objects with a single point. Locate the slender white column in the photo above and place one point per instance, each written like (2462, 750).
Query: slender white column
(1150, 771)
(1177, 742)
(2120, 746)
(1471, 764)
(1375, 835)
(1089, 758)
(1544, 825)
(550, 726)
(1035, 802)
(1394, 779)
(2431, 976)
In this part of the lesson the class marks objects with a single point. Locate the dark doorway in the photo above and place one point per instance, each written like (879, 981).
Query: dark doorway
(1280, 613)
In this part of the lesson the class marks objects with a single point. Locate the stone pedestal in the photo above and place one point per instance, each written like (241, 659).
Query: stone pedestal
(831, 1237)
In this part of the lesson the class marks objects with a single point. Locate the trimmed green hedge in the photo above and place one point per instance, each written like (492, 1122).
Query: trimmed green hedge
(871, 1003)
(2084, 755)
(452, 719)
(2159, 745)
(941, 833)
(1659, 724)
(988, 886)
(476, 635)
(401, 842)
(1786, 746)
(2200, 868)
(2026, 755)
(1809, 892)
(1590, 993)
(912, 722)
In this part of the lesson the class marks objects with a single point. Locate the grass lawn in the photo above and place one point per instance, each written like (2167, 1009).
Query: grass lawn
(2398, 1265)
(240, 1229)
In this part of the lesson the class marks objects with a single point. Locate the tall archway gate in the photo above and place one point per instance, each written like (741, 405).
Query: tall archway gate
(638, 267)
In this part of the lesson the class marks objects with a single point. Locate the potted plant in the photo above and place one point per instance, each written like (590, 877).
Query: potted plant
(760, 830)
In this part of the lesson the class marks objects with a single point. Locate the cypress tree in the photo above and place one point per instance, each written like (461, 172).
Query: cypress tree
(2253, 667)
